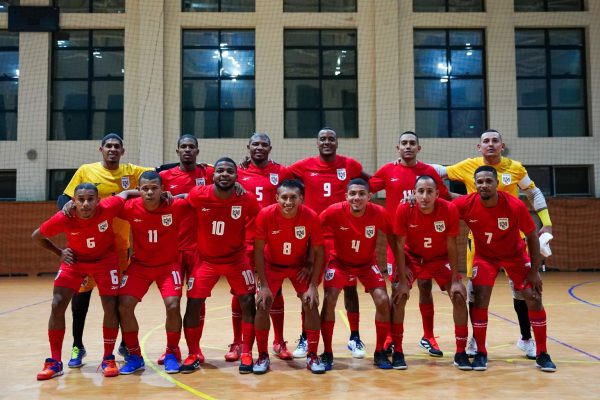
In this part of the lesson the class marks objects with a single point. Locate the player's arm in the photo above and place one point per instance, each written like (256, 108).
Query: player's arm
(66, 255)
(311, 296)
(264, 295)
(538, 202)
(457, 287)
(441, 170)
(129, 194)
(400, 289)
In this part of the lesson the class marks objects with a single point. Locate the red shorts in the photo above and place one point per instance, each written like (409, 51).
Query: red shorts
(104, 272)
(439, 270)
(205, 276)
(485, 271)
(339, 276)
(137, 280)
(186, 259)
(276, 275)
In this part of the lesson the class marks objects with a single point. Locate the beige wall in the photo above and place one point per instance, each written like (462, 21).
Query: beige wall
(385, 84)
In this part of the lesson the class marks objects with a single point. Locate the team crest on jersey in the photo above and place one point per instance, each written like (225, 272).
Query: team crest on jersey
(125, 182)
(341, 174)
(370, 231)
(274, 179)
(503, 224)
(167, 219)
(440, 226)
(190, 284)
(200, 181)
(474, 272)
(300, 232)
(123, 281)
(236, 212)
(103, 226)
(329, 274)
(506, 179)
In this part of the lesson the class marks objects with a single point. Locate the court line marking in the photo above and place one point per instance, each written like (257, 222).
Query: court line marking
(572, 294)
(22, 307)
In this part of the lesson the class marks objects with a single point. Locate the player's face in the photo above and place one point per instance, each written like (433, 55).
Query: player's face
(491, 144)
(425, 194)
(358, 196)
(408, 147)
(288, 199)
(112, 151)
(486, 185)
(187, 151)
(259, 149)
(151, 191)
(327, 143)
(86, 201)
(225, 175)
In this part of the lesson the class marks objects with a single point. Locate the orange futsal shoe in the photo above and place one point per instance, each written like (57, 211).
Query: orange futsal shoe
(234, 353)
(109, 367)
(51, 369)
(280, 350)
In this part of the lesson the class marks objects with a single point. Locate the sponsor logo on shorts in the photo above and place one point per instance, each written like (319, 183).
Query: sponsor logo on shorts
(394, 179)
(276, 232)
(236, 212)
(200, 181)
(527, 265)
(300, 232)
(190, 284)
(329, 274)
(341, 174)
(440, 226)
(137, 220)
(103, 226)
(274, 179)
(167, 219)
(116, 287)
(474, 273)
(506, 179)
(343, 228)
(124, 281)
(369, 231)
(503, 224)
(125, 182)
(75, 233)
(413, 226)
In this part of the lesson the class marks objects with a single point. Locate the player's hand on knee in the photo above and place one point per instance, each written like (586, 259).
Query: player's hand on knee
(400, 290)
(304, 273)
(311, 297)
(535, 279)
(67, 256)
(458, 289)
(264, 297)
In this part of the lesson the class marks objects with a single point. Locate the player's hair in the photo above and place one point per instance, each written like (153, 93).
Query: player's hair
(110, 136)
(151, 176)
(487, 168)
(408, 133)
(425, 178)
(490, 131)
(187, 136)
(327, 128)
(292, 184)
(86, 186)
(226, 159)
(260, 135)
(358, 181)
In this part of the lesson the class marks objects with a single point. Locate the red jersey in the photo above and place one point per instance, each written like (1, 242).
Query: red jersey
(177, 182)
(287, 239)
(325, 182)
(90, 239)
(222, 224)
(399, 182)
(154, 232)
(263, 182)
(496, 230)
(355, 238)
(426, 234)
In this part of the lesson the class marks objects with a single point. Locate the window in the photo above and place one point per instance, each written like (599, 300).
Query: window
(95, 6)
(58, 179)
(218, 5)
(320, 70)
(218, 96)
(8, 185)
(548, 5)
(5, 3)
(319, 5)
(9, 84)
(450, 87)
(551, 82)
(562, 180)
(448, 6)
(87, 84)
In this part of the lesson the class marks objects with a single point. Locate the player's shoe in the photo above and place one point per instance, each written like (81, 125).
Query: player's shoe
(544, 362)
(177, 352)
(314, 364)
(527, 347)
(171, 364)
(191, 363)
(471, 347)
(246, 363)
(388, 346)
(461, 361)
(327, 360)
(480, 362)
(123, 352)
(132, 363)
(281, 351)
(381, 361)
(356, 347)
(51, 369)
(77, 355)
(398, 361)
(109, 367)
(234, 353)
(261, 366)
(431, 346)
(302, 348)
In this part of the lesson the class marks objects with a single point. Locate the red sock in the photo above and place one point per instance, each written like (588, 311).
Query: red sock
(538, 323)
(262, 340)
(56, 336)
(192, 338)
(381, 330)
(460, 334)
(173, 340)
(353, 321)
(247, 337)
(479, 319)
(313, 340)
(277, 316)
(388, 337)
(397, 334)
(132, 343)
(427, 312)
(327, 332)
(236, 319)
(110, 338)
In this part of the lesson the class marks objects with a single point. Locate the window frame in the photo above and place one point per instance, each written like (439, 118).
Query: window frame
(546, 7)
(49, 180)
(447, 7)
(90, 8)
(320, 8)
(14, 110)
(5, 175)
(552, 169)
(219, 8)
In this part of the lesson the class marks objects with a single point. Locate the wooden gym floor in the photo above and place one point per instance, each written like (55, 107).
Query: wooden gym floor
(572, 302)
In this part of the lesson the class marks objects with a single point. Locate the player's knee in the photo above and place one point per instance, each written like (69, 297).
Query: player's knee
(247, 303)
